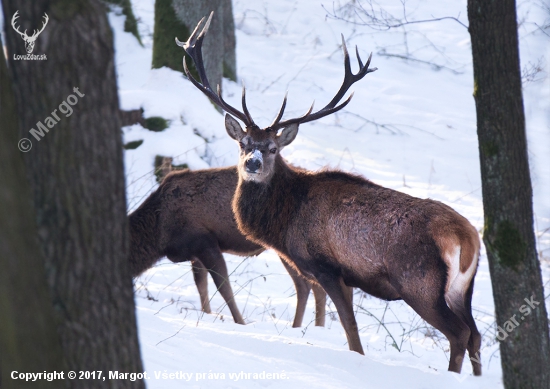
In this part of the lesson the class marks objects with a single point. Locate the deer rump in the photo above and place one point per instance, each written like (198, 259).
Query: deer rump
(189, 218)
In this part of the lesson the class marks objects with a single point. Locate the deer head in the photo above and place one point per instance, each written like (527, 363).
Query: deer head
(29, 40)
(259, 148)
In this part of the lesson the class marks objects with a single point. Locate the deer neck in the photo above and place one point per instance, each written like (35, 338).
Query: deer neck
(264, 210)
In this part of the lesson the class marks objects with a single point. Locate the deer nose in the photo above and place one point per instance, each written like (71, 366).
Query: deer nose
(252, 165)
(254, 161)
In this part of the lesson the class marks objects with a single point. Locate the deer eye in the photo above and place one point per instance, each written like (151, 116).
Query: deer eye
(273, 151)
(241, 145)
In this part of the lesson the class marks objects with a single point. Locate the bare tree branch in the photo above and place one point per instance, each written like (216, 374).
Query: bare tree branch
(378, 18)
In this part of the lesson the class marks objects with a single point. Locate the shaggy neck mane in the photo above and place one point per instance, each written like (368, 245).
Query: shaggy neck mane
(263, 210)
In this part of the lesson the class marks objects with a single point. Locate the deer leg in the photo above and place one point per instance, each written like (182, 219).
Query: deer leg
(302, 293)
(200, 274)
(474, 344)
(320, 304)
(212, 259)
(437, 313)
(340, 295)
(462, 307)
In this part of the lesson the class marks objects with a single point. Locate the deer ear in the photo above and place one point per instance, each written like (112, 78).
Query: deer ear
(233, 128)
(288, 135)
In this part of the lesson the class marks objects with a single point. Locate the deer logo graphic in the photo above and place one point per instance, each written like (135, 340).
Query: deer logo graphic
(29, 40)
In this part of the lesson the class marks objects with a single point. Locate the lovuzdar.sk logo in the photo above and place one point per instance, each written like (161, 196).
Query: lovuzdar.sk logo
(29, 40)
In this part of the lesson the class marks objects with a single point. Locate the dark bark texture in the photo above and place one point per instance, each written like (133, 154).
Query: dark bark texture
(229, 41)
(178, 18)
(28, 330)
(76, 177)
(507, 194)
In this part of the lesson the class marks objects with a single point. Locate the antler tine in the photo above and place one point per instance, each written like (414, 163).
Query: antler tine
(347, 65)
(349, 77)
(327, 111)
(245, 108)
(246, 119)
(332, 106)
(359, 57)
(192, 37)
(301, 119)
(193, 48)
(280, 114)
(206, 26)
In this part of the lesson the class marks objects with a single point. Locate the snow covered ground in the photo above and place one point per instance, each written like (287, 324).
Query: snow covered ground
(410, 127)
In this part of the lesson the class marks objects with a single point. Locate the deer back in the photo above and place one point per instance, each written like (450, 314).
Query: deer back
(366, 229)
(188, 208)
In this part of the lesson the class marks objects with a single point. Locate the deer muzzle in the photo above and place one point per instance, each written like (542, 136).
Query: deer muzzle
(254, 162)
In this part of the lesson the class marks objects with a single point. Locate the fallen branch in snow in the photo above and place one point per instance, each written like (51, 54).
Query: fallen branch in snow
(177, 332)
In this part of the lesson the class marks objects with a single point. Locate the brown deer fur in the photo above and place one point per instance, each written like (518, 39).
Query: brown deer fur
(189, 218)
(341, 231)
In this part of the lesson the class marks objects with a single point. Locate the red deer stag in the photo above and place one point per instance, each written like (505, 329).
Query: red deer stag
(342, 231)
(189, 218)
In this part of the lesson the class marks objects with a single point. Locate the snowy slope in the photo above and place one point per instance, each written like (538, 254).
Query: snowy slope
(409, 127)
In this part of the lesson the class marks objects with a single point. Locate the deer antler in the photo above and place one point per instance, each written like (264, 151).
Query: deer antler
(193, 48)
(330, 108)
(15, 16)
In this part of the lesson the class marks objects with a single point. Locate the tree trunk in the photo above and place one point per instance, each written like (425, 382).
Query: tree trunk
(507, 196)
(229, 41)
(28, 331)
(178, 18)
(75, 170)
